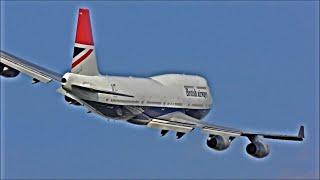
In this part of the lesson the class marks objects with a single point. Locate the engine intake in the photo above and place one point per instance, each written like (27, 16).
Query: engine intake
(7, 71)
(218, 142)
(258, 149)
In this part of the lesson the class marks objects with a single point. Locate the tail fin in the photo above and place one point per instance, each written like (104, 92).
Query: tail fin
(84, 56)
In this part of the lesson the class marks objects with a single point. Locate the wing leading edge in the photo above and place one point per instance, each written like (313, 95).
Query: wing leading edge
(36, 72)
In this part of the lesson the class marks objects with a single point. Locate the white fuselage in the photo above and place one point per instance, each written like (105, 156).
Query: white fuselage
(163, 91)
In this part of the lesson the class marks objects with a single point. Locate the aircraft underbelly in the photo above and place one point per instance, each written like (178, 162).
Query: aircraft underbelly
(112, 111)
(142, 114)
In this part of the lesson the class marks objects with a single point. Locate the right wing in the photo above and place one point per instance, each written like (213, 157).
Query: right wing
(180, 122)
(36, 72)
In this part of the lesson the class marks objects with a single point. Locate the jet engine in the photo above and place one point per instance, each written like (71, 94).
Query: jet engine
(258, 149)
(7, 71)
(218, 142)
(71, 101)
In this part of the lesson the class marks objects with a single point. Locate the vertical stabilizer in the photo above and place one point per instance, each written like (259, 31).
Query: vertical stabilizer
(84, 56)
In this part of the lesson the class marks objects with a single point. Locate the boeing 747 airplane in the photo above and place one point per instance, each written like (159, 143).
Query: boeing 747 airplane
(168, 102)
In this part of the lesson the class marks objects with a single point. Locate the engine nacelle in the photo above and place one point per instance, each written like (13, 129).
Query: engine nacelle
(71, 101)
(258, 149)
(7, 71)
(218, 142)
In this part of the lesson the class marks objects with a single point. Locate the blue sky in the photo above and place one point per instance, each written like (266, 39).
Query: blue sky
(260, 58)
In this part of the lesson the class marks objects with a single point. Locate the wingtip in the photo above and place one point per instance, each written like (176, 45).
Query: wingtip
(301, 132)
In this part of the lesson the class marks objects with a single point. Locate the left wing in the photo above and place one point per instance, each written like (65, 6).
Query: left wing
(12, 65)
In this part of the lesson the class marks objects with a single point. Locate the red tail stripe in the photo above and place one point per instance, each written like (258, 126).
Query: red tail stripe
(78, 61)
(84, 32)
